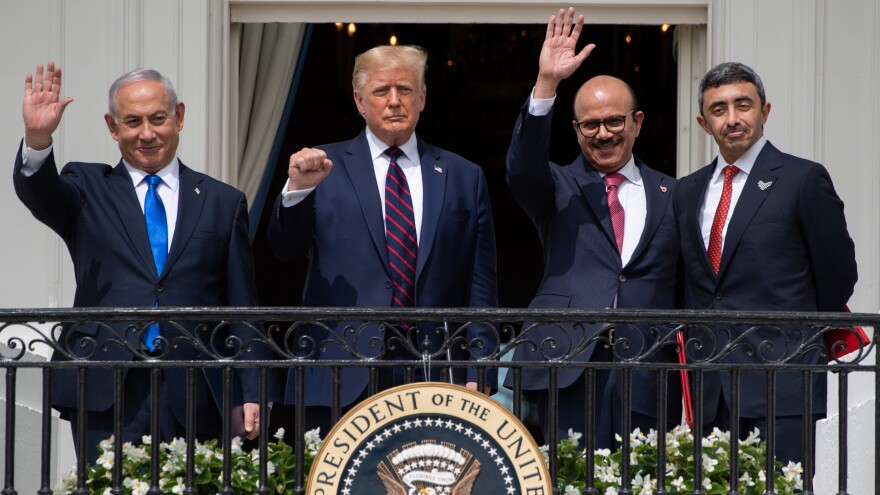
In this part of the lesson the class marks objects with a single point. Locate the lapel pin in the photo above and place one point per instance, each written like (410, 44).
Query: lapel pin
(438, 169)
(197, 191)
(662, 188)
(764, 185)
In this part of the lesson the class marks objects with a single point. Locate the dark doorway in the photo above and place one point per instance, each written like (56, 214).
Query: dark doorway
(478, 78)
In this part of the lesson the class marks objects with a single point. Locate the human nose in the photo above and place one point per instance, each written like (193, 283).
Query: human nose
(147, 133)
(603, 132)
(393, 98)
(732, 116)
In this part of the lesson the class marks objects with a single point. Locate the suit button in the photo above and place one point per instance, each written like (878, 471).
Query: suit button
(159, 288)
(622, 278)
(387, 284)
(718, 296)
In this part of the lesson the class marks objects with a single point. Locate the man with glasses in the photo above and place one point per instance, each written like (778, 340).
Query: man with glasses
(609, 240)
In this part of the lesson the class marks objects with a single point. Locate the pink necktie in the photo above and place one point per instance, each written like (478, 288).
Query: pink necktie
(714, 249)
(612, 182)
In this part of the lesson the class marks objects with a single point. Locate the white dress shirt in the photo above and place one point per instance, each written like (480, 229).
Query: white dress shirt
(713, 193)
(410, 162)
(32, 160)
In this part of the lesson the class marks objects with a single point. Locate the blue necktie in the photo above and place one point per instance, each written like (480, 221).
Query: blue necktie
(157, 229)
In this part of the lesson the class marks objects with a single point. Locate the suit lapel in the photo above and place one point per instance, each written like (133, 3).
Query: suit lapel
(593, 188)
(189, 210)
(695, 191)
(434, 190)
(358, 165)
(132, 217)
(750, 200)
(657, 193)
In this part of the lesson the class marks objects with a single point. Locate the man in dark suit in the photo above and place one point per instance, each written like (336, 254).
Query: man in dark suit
(606, 226)
(147, 232)
(760, 230)
(397, 222)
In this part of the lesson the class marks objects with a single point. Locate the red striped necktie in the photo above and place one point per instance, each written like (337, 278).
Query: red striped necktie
(400, 233)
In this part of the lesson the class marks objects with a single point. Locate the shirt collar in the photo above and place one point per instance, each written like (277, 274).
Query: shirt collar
(170, 174)
(745, 163)
(630, 171)
(410, 148)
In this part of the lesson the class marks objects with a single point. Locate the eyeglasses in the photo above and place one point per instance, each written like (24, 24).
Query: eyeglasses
(614, 125)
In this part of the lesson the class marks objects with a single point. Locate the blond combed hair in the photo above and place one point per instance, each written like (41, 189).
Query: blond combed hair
(385, 57)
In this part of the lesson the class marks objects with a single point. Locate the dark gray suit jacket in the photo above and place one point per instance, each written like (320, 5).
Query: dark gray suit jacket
(582, 266)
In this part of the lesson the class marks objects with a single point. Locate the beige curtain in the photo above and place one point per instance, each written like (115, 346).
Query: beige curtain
(269, 54)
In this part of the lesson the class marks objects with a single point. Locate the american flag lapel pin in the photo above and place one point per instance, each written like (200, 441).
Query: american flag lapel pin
(438, 168)
(197, 191)
(764, 185)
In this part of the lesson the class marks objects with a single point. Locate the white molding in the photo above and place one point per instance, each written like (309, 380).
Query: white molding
(482, 11)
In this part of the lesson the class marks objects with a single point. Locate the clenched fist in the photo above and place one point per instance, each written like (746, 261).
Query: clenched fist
(307, 168)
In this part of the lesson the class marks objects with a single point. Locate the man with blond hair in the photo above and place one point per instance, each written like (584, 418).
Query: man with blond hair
(385, 220)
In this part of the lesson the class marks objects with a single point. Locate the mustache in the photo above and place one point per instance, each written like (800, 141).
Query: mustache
(737, 128)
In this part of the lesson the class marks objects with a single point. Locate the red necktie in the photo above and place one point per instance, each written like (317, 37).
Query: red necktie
(714, 250)
(400, 233)
(612, 182)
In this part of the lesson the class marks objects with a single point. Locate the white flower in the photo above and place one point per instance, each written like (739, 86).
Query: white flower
(107, 444)
(709, 463)
(793, 473)
(545, 451)
(313, 441)
(707, 483)
(753, 438)
(762, 476)
(236, 445)
(745, 478)
(574, 436)
(105, 460)
(139, 487)
(270, 468)
(603, 452)
(678, 483)
(611, 490)
(570, 490)
(147, 440)
(634, 458)
(279, 435)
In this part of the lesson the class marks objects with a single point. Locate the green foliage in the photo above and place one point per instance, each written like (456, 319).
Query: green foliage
(570, 461)
(208, 467)
(679, 465)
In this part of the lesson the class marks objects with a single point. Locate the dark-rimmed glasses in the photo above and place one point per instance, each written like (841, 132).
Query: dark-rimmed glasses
(614, 125)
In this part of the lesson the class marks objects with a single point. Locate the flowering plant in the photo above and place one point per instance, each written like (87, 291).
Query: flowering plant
(208, 467)
(679, 465)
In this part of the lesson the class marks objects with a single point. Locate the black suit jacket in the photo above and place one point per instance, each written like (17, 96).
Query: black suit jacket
(340, 228)
(582, 266)
(787, 248)
(95, 210)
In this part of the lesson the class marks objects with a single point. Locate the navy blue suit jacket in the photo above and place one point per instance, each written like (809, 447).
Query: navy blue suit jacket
(95, 210)
(340, 228)
(787, 249)
(582, 266)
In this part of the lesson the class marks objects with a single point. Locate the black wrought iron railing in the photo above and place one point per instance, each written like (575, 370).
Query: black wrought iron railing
(731, 343)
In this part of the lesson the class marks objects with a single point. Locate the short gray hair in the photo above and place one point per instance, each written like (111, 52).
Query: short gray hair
(139, 75)
(730, 73)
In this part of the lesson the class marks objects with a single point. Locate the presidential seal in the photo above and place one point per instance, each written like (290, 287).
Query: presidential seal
(429, 439)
